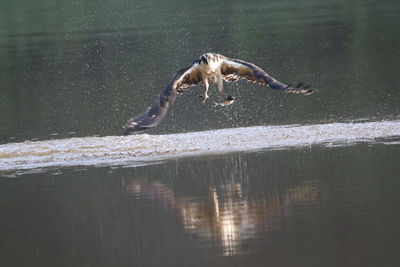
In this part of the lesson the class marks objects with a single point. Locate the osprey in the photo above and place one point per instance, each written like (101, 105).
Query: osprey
(208, 68)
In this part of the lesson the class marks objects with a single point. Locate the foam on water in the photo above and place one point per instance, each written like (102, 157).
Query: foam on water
(145, 149)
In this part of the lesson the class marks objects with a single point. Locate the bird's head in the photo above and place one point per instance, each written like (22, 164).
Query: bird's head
(204, 59)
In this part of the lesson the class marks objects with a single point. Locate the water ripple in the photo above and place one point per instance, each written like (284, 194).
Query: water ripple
(145, 149)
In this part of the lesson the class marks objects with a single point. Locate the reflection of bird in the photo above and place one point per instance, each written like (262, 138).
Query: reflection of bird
(208, 68)
(225, 213)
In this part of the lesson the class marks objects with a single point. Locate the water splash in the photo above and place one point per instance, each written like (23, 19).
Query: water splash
(146, 149)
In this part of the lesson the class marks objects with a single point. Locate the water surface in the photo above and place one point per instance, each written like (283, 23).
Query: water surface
(272, 180)
(84, 68)
(148, 149)
(301, 207)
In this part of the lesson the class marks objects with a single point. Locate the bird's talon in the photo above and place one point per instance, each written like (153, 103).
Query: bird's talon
(204, 98)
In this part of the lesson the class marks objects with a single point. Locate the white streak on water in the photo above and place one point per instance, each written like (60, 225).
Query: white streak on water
(145, 149)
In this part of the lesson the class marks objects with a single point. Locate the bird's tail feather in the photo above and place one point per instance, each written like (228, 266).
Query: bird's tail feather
(153, 115)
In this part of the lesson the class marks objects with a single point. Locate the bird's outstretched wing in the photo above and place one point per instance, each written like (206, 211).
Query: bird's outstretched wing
(234, 69)
(182, 80)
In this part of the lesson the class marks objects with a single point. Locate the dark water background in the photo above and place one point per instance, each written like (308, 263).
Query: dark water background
(304, 207)
(81, 68)
(78, 68)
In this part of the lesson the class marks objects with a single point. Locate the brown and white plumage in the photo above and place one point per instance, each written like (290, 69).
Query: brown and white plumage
(208, 68)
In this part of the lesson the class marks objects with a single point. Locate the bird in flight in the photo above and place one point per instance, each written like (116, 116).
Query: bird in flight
(208, 68)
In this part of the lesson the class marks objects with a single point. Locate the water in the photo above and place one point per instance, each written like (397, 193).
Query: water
(82, 69)
(274, 179)
(147, 149)
(334, 206)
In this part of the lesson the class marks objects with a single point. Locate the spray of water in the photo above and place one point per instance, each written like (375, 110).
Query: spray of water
(146, 149)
